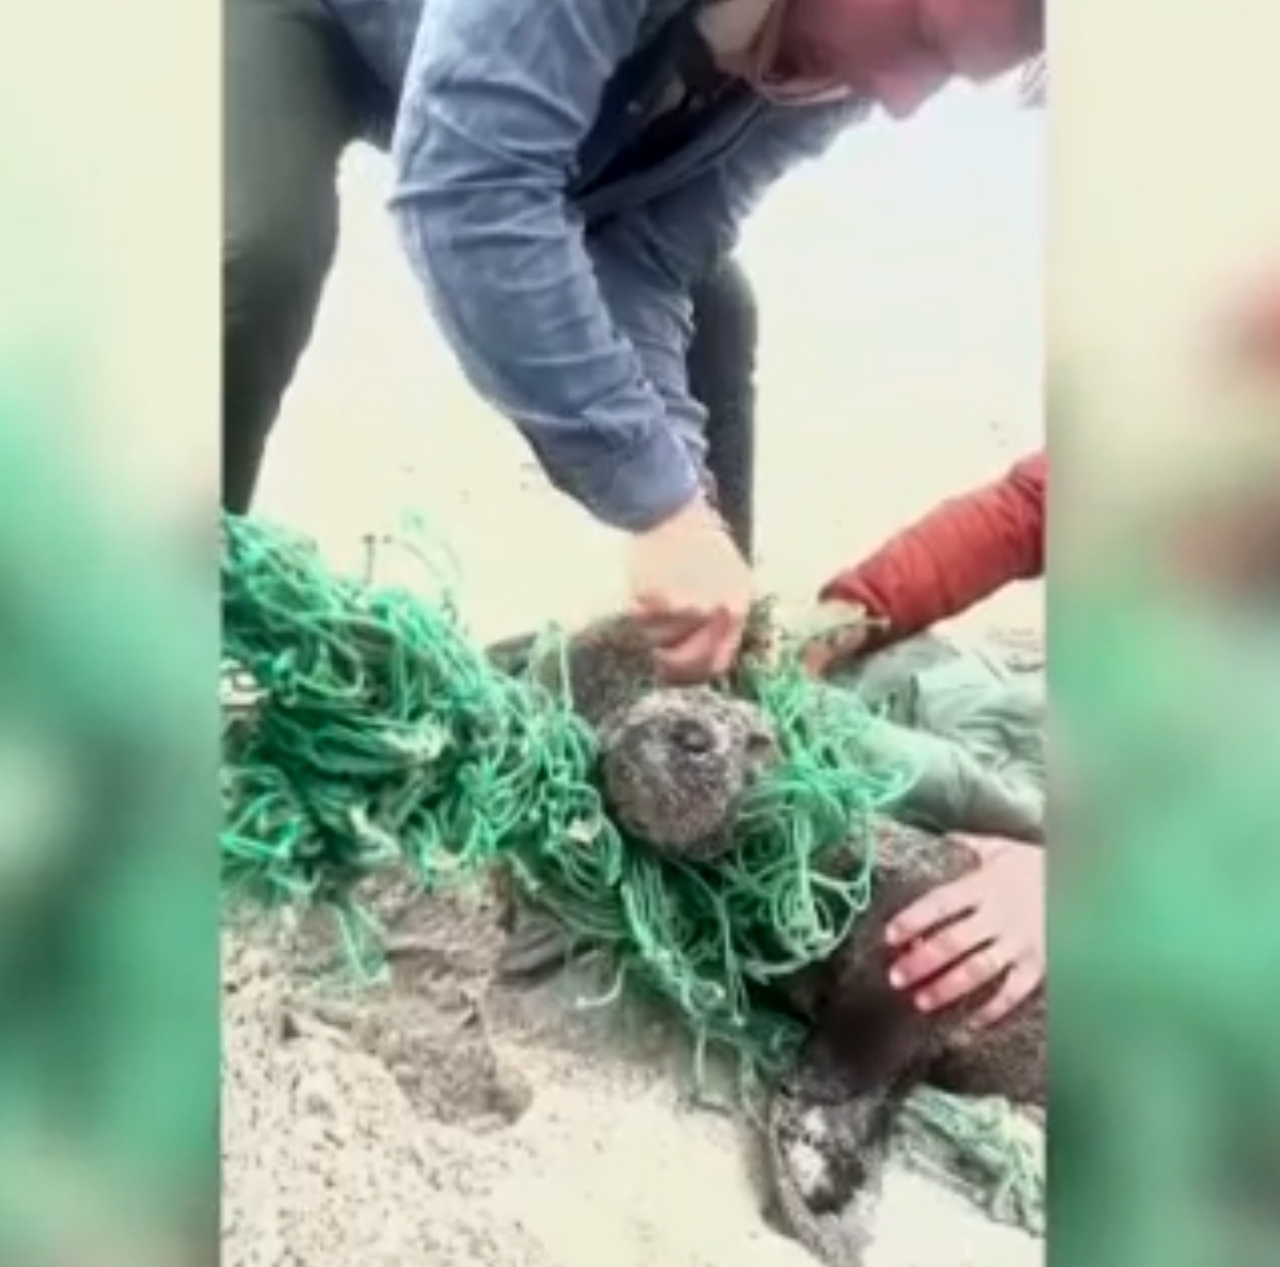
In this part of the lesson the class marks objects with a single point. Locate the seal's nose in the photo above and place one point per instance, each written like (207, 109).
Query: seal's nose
(692, 737)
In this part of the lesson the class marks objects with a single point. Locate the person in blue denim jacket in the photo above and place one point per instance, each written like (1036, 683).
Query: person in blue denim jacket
(570, 179)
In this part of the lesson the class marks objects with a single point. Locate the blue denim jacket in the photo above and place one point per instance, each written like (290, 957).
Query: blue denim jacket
(567, 298)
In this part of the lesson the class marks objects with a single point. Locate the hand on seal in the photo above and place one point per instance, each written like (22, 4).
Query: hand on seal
(691, 591)
(964, 935)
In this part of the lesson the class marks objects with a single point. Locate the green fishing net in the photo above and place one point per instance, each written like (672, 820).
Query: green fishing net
(366, 732)
(375, 735)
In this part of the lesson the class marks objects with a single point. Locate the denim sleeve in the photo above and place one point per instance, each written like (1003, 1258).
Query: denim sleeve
(580, 345)
(648, 259)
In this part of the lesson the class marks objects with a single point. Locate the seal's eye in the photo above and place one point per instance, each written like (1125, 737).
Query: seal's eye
(692, 737)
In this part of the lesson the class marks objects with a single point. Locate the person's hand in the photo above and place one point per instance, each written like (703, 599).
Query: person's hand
(964, 935)
(691, 591)
(835, 632)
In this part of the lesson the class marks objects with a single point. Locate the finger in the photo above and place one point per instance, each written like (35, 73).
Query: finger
(691, 659)
(706, 651)
(815, 660)
(1022, 982)
(980, 969)
(727, 632)
(819, 654)
(931, 955)
(667, 628)
(944, 903)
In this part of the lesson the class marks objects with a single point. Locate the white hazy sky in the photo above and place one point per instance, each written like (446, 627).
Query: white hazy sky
(918, 251)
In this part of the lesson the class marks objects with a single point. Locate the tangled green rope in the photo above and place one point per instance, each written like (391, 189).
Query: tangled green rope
(984, 1148)
(385, 737)
(375, 735)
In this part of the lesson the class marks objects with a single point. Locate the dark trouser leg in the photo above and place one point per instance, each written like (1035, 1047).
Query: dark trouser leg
(722, 367)
(291, 107)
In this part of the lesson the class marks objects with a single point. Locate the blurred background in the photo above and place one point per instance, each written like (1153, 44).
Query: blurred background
(109, 367)
(1164, 230)
(883, 342)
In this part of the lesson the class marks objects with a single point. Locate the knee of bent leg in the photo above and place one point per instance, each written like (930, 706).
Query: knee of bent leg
(274, 265)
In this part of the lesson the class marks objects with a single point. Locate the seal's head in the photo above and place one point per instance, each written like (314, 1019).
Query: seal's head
(677, 765)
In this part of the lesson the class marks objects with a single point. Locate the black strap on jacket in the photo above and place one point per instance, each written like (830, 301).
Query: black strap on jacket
(630, 134)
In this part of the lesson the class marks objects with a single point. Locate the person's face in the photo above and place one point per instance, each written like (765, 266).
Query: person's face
(899, 53)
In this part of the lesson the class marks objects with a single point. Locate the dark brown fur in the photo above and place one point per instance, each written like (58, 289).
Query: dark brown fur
(676, 763)
(830, 1118)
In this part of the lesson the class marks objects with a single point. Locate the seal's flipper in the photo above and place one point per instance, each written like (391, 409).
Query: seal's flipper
(537, 946)
(826, 1146)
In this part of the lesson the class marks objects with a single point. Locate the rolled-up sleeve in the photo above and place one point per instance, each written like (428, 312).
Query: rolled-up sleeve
(579, 342)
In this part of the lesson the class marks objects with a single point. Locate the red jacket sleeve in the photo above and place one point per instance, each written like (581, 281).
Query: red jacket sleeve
(958, 554)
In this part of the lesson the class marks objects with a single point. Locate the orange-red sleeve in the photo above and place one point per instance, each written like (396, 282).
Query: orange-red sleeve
(964, 550)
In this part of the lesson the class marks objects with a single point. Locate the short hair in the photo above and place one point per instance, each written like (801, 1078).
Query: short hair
(1033, 16)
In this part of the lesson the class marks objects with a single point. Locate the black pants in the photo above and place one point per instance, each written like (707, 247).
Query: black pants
(296, 95)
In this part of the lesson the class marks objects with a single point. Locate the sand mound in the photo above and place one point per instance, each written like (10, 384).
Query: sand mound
(434, 1120)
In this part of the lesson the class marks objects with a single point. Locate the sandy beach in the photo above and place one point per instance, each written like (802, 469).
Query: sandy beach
(430, 1121)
